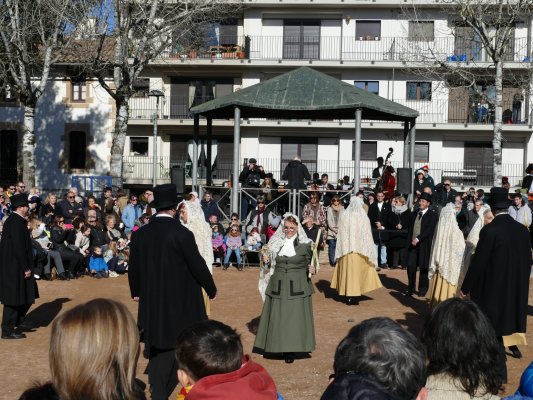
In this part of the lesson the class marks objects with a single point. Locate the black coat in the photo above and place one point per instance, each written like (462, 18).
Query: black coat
(167, 273)
(296, 174)
(498, 277)
(351, 386)
(526, 182)
(70, 210)
(398, 239)
(442, 197)
(383, 217)
(425, 238)
(16, 257)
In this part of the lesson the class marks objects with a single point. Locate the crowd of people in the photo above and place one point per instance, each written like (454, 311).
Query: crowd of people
(470, 255)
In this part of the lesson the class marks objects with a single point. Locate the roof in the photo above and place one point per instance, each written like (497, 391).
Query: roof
(305, 93)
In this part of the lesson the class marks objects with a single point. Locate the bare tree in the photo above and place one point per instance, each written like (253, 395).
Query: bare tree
(33, 36)
(490, 29)
(136, 33)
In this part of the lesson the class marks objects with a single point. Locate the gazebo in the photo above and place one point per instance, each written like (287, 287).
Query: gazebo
(302, 93)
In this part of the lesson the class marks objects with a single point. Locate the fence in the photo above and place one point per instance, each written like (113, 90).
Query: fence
(140, 168)
(431, 111)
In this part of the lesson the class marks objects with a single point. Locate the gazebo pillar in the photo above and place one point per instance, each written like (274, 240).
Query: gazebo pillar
(405, 144)
(412, 141)
(236, 159)
(357, 155)
(195, 140)
(209, 171)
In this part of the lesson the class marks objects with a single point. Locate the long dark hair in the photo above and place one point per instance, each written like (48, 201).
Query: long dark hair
(460, 341)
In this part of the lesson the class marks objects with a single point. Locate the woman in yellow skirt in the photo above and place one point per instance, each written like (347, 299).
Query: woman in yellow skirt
(355, 270)
(446, 257)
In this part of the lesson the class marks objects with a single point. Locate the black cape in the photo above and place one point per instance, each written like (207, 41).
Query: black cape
(498, 277)
(167, 272)
(16, 257)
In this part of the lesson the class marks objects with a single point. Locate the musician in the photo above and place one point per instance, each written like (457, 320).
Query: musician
(378, 171)
(389, 182)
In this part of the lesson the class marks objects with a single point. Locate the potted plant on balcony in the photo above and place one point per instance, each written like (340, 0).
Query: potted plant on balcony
(240, 53)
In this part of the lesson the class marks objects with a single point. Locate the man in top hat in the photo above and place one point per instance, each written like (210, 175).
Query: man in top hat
(498, 277)
(420, 236)
(166, 276)
(18, 289)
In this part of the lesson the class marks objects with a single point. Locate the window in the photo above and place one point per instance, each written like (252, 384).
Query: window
(77, 150)
(421, 152)
(301, 39)
(141, 87)
(306, 148)
(367, 30)
(139, 146)
(369, 151)
(418, 90)
(79, 89)
(421, 31)
(369, 86)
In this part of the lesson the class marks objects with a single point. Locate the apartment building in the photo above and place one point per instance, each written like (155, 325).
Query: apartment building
(372, 44)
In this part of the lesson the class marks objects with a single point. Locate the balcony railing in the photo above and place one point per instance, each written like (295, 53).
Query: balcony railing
(138, 168)
(339, 48)
(431, 111)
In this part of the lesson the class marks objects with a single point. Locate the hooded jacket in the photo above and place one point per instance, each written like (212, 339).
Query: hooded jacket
(296, 173)
(251, 381)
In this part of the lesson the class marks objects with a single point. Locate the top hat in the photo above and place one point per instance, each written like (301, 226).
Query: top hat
(425, 196)
(19, 200)
(529, 169)
(165, 197)
(499, 197)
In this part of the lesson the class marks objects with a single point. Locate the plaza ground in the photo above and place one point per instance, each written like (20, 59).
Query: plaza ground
(238, 305)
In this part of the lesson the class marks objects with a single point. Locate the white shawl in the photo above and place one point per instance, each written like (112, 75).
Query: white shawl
(201, 231)
(448, 247)
(355, 234)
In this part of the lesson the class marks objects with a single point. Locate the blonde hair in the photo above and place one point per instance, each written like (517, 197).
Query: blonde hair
(93, 352)
(401, 200)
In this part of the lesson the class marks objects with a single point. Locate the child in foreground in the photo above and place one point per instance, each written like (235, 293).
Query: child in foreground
(212, 365)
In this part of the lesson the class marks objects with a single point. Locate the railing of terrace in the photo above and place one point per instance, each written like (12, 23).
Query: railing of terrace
(431, 111)
(337, 48)
(140, 168)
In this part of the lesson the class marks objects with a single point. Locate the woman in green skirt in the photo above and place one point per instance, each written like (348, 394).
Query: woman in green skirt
(286, 325)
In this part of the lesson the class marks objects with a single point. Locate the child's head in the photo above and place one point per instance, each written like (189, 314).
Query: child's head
(254, 230)
(86, 231)
(97, 250)
(207, 348)
(234, 231)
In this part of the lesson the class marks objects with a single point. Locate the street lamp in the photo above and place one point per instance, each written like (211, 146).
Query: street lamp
(157, 94)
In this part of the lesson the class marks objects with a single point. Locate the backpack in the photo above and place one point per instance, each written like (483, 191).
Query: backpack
(253, 179)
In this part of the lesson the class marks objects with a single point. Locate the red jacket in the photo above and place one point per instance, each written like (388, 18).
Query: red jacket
(251, 381)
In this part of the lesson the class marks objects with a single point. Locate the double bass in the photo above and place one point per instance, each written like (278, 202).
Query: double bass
(383, 184)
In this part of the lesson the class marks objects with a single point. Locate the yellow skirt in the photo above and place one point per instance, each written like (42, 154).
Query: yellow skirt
(440, 289)
(515, 339)
(354, 275)
(207, 303)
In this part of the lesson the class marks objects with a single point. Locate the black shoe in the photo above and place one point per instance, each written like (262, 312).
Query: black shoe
(407, 293)
(240, 268)
(515, 352)
(47, 277)
(422, 293)
(63, 276)
(289, 358)
(351, 301)
(13, 335)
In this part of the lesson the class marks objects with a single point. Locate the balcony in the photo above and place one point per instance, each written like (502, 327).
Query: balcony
(338, 48)
(436, 111)
(138, 170)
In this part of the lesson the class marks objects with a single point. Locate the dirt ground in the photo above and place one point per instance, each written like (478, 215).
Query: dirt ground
(238, 305)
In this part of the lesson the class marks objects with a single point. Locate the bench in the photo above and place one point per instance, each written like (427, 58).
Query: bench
(461, 176)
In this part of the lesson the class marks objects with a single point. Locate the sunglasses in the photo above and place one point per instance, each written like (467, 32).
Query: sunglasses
(447, 184)
(70, 197)
(234, 219)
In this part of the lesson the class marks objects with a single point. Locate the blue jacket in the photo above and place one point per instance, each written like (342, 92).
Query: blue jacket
(129, 215)
(97, 264)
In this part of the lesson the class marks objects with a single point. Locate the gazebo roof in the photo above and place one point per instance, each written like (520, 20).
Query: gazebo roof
(304, 93)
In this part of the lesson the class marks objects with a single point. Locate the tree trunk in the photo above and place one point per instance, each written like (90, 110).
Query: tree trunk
(119, 137)
(28, 147)
(497, 127)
